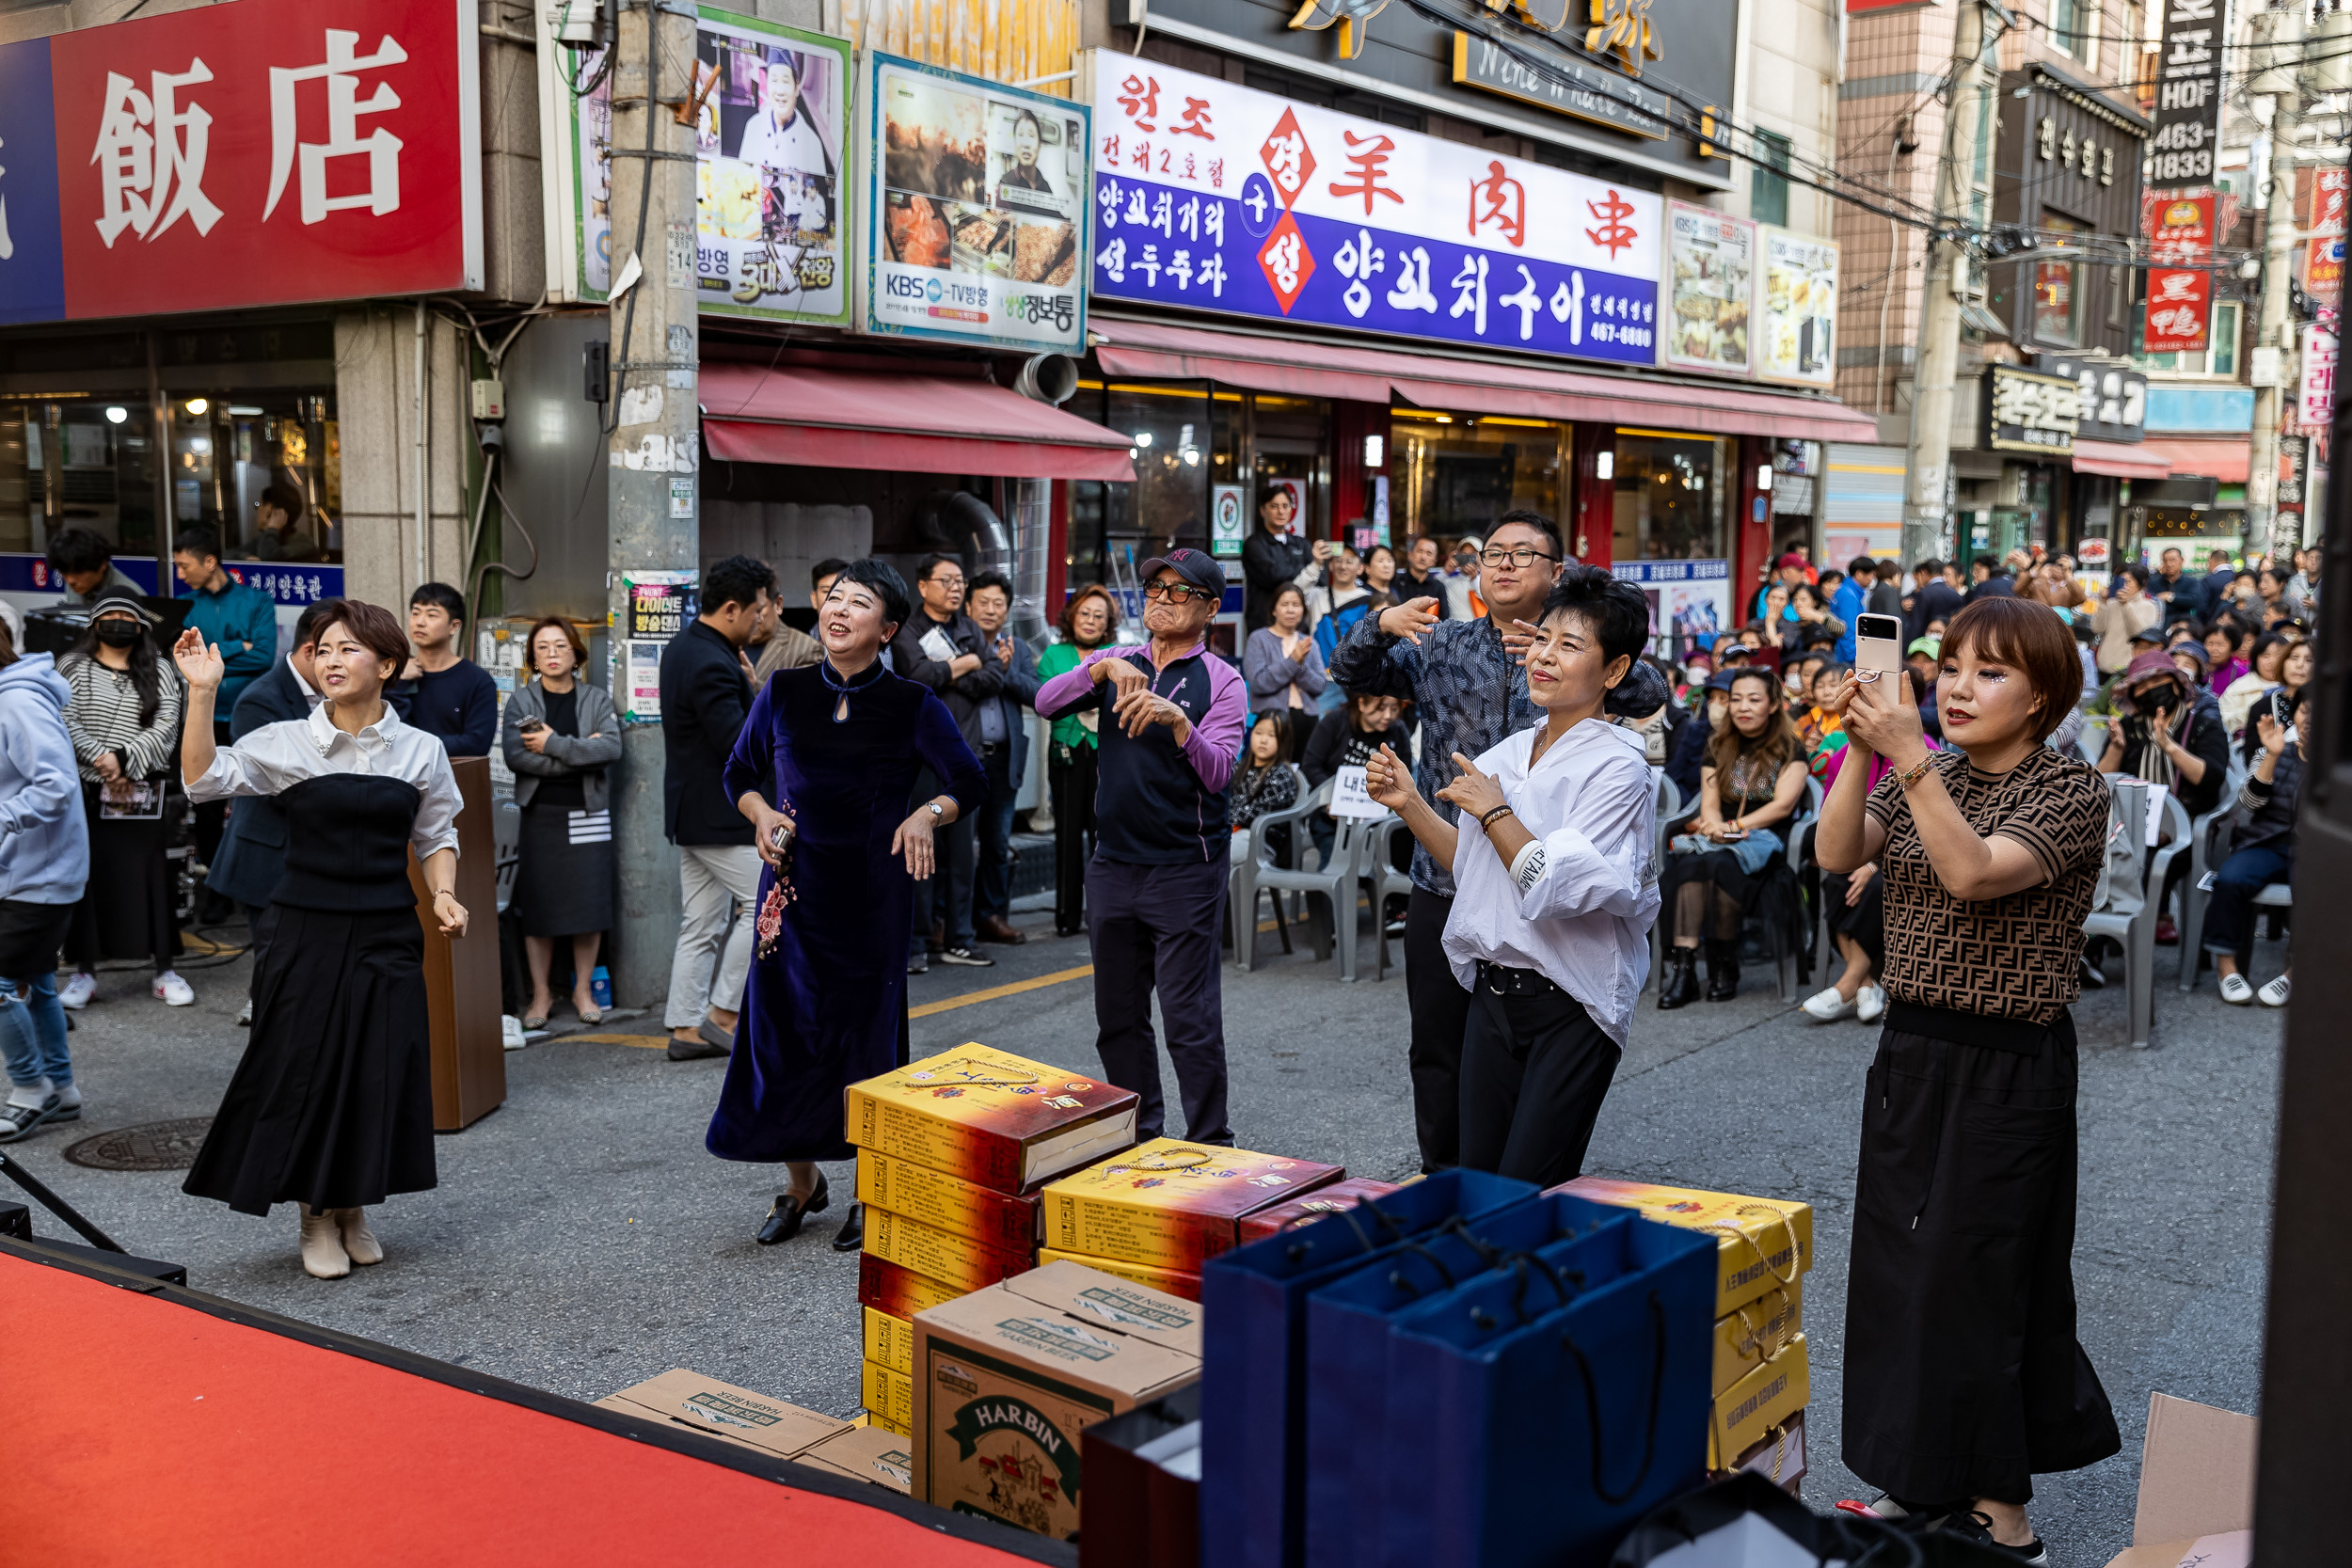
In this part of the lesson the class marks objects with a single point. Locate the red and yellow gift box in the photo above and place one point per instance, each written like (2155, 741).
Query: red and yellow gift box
(1319, 1204)
(1762, 1243)
(989, 1117)
(1168, 1204)
(1006, 1221)
(1174, 1282)
(897, 1291)
(941, 1255)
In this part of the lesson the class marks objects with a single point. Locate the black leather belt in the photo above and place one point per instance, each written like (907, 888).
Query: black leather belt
(1503, 980)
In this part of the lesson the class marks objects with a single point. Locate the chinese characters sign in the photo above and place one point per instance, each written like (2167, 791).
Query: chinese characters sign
(2179, 231)
(2323, 257)
(2028, 411)
(265, 151)
(1210, 196)
(977, 210)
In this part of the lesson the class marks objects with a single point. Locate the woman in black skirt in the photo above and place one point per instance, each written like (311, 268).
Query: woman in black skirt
(331, 1108)
(1963, 1376)
(123, 716)
(560, 734)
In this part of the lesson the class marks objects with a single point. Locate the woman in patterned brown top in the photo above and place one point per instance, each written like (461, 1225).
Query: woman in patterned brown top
(1963, 1374)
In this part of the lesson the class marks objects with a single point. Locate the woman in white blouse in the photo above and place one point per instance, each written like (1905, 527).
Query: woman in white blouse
(1554, 893)
(331, 1108)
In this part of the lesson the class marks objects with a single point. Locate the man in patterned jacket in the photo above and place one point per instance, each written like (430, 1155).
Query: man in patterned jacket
(1465, 679)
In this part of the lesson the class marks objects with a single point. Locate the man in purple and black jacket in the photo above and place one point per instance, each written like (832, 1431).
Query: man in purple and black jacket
(1155, 892)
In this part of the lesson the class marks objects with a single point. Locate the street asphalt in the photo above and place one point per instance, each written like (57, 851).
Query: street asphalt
(582, 1240)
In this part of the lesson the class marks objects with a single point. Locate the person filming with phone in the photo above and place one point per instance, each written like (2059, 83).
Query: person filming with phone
(2262, 846)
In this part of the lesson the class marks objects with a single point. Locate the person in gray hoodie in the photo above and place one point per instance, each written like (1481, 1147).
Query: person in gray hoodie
(44, 864)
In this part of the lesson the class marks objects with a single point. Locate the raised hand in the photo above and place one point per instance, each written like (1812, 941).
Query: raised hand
(1473, 792)
(199, 661)
(1409, 619)
(1387, 780)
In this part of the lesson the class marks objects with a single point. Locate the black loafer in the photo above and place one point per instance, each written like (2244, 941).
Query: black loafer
(852, 1235)
(783, 1219)
(694, 1050)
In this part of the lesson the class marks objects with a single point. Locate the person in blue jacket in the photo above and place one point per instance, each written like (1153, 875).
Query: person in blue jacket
(44, 866)
(236, 617)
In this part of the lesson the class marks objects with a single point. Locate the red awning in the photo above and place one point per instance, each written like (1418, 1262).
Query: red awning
(830, 418)
(2226, 459)
(1314, 368)
(2118, 461)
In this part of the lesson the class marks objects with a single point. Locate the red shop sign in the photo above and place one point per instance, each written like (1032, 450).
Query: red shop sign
(267, 152)
(2178, 297)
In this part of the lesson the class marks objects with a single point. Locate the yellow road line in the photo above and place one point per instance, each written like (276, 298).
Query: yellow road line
(1057, 977)
(643, 1042)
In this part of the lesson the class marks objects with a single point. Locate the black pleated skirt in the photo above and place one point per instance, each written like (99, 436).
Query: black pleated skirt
(332, 1105)
(1963, 1378)
(564, 878)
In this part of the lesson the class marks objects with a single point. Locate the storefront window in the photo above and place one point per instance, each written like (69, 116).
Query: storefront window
(1673, 496)
(1455, 476)
(226, 454)
(1115, 528)
(2057, 293)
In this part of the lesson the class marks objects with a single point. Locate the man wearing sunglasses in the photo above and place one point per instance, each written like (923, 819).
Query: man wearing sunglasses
(1171, 720)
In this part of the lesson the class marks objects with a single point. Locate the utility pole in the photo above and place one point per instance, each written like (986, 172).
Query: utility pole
(2279, 74)
(1927, 466)
(654, 450)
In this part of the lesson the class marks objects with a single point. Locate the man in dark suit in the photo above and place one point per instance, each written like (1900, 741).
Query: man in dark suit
(252, 853)
(1931, 599)
(706, 693)
(945, 649)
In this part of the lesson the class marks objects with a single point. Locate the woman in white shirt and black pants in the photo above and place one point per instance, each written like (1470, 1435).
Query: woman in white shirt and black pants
(1554, 892)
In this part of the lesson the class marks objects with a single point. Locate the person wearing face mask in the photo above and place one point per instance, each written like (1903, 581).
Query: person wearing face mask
(825, 761)
(1549, 855)
(123, 714)
(1710, 710)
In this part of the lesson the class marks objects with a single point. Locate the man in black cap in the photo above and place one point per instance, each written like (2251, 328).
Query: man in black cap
(1171, 722)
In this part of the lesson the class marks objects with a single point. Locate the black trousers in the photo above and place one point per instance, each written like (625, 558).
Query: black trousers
(1534, 1070)
(1440, 1009)
(1158, 928)
(1963, 1378)
(1070, 775)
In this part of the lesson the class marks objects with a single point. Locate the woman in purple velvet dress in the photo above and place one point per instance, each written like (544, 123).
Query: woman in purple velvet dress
(824, 767)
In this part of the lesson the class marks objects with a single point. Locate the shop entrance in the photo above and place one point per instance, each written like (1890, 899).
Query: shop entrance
(1456, 474)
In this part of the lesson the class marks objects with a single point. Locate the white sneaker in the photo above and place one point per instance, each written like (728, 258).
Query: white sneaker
(2236, 990)
(2275, 994)
(1870, 1004)
(1828, 1007)
(245, 1014)
(172, 991)
(76, 993)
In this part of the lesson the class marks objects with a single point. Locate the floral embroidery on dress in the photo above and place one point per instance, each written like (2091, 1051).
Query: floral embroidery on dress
(780, 892)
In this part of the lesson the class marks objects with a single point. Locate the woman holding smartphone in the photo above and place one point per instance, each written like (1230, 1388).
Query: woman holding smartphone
(560, 734)
(1963, 1379)
(826, 757)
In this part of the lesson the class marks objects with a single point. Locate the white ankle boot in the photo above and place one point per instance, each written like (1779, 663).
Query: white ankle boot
(359, 1243)
(323, 1254)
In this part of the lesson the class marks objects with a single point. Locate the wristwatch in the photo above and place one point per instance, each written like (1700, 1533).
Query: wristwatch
(936, 809)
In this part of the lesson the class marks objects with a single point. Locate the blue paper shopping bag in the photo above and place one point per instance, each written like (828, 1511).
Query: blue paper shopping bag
(1525, 1435)
(1347, 1348)
(1253, 1372)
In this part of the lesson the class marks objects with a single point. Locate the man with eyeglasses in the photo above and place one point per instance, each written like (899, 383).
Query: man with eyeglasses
(1465, 681)
(1171, 722)
(946, 650)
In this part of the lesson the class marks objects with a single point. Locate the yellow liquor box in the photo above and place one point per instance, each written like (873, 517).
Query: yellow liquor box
(941, 1255)
(1004, 1220)
(1176, 1282)
(889, 1340)
(989, 1117)
(901, 1293)
(1775, 1390)
(1171, 1205)
(890, 1395)
(1761, 1242)
(1751, 1335)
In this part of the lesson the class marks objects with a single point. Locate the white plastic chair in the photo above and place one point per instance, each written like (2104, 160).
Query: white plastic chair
(1242, 886)
(1383, 880)
(1335, 882)
(2137, 931)
(1785, 956)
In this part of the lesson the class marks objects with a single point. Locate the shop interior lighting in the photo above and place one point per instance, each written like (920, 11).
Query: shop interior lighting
(1764, 477)
(199, 405)
(116, 414)
(245, 411)
(1375, 451)
(1143, 437)
(1445, 419)
(1185, 450)
(1604, 463)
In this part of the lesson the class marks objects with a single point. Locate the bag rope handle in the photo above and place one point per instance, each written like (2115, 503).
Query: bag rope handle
(1592, 1405)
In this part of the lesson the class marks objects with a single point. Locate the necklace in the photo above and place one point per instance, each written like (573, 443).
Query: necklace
(842, 686)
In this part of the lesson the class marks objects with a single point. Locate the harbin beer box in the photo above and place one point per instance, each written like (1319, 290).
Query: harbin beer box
(1007, 1378)
(1763, 1243)
(1170, 1205)
(715, 1409)
(989, 1118)
(866, 1453)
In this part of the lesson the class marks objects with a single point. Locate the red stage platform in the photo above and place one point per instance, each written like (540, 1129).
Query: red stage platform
(144, 1423)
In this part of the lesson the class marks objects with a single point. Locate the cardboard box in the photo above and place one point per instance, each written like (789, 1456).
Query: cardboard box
(1324, 1201)
(901, 1293)
(1176, 1282)
(1757, 1402)
(715, 1409)
(866, 1454)
(1006, 1220)
(1764, 1241)
(1745, 1338)
(990, 1117)
(1170, 1204)
(941, 1255)
(890, 1395)
(2196, 1488)
(889, 1340)
(1008, 1378)
(1779, 1458)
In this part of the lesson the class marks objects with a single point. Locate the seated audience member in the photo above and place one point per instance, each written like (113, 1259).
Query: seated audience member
(2261, 849)
(1346, 737)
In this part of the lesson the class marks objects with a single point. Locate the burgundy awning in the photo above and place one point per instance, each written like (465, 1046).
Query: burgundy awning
(2118, 460)
(832, 419)
(1456, 383)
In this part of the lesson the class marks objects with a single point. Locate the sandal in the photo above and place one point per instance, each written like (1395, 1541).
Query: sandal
(16, 1122)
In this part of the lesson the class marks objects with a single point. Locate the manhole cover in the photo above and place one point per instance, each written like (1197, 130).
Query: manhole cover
(151, 1146)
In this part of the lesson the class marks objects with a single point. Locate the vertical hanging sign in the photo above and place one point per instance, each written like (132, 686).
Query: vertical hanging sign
(2189, 94)
(2180, 293)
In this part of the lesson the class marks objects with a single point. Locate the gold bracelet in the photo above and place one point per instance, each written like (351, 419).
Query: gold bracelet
(1916, 771)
